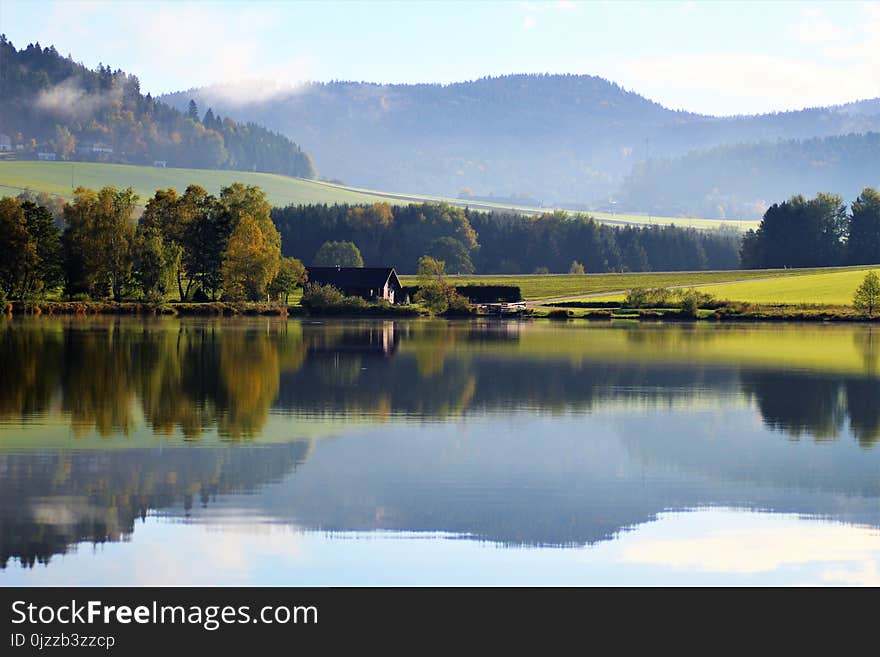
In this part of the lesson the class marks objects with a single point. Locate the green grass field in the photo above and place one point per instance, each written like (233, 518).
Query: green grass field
(60, 178)
(834, 289)
(537, 287)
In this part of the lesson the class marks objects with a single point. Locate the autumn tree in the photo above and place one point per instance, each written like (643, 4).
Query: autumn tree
(16, 252)
(163, 227)
(431, 270)
(371, 226)
(64, 143)
(250, 261)
(435, 293)
(97, 241)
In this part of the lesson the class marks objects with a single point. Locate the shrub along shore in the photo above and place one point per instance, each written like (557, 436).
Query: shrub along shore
(737, 312)
(724, 314)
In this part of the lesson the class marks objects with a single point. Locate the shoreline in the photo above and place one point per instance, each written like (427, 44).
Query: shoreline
(613, 312)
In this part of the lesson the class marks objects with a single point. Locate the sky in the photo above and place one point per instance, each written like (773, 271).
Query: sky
(718, 58)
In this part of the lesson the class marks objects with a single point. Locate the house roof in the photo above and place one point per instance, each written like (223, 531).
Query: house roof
(349, 277)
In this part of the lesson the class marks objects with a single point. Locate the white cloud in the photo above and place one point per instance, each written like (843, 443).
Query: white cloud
(531, 9)
(814, 27)
(759, 543)
(826, 63)
(743, 82)
(195, 42)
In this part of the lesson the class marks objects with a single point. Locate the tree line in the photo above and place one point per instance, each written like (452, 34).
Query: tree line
(198, 246)
(817, 232)
(470, 241)
(49, 103)
(194, 246)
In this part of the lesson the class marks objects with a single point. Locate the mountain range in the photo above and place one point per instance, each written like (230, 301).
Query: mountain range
(565, 140)
(573, 141)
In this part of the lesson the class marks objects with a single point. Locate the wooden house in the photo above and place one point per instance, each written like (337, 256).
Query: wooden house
(370, 283)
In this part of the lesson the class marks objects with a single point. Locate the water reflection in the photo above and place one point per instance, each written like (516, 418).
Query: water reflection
(511, 433)
(54, 500)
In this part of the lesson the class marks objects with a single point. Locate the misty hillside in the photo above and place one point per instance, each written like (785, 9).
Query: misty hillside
(562, 139)
(743, 179)
(53, 107)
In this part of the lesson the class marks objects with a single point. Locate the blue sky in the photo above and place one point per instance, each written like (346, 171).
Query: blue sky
(713, 57)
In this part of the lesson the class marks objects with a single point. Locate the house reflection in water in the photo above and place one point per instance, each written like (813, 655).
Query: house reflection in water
(374, 339)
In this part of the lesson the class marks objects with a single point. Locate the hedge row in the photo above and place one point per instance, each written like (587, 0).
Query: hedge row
(479, 293)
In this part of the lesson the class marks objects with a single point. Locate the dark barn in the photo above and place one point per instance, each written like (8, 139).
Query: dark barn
(370, 283)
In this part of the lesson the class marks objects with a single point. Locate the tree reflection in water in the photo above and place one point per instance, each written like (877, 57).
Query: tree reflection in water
(184, 379)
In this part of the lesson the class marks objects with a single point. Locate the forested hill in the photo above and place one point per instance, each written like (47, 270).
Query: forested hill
(51, 104)
(561, 139)
(555, 138)
(741, 180)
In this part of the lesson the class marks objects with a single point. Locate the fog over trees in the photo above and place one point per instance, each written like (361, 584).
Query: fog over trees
(575, 141)
(50, 104)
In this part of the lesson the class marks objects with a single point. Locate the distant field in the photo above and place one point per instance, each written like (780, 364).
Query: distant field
(60, 178)
(537, 287)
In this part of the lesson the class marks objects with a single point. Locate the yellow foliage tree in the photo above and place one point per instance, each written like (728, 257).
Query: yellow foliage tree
(251, 261)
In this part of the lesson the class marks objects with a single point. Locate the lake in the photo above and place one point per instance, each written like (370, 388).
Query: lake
(286, 452)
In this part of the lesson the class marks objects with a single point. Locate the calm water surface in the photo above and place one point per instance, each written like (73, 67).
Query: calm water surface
(292, 452)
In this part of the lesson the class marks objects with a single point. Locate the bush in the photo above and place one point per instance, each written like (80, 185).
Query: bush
(559, 314)
(434, 296)
(352, 303)
(319, 297)
(457, 305)
(635, 298)
(691, 300)
(639, 297)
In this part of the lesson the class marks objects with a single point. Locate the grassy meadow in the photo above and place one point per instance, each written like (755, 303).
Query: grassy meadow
(801, 287)
(537, 287)
(59, 178)
(834, 289)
